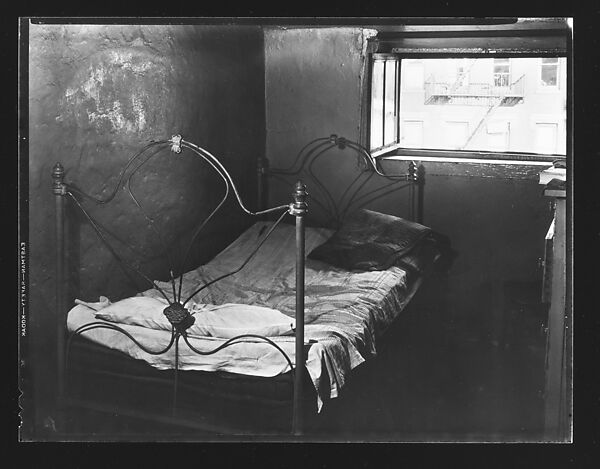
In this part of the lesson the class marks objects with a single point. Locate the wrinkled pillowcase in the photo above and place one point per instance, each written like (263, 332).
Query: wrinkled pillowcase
(224, 321)
(370, 241)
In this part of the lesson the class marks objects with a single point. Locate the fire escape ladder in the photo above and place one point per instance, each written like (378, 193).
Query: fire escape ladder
(466, 73)
(480, 124)
(489, 112)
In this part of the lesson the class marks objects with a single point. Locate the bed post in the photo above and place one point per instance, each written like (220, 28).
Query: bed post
(420, 192)
(299, 209)
(59, 190)
(262, 169)
(412, 177)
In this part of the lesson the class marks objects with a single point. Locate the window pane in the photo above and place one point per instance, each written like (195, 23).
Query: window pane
(390, 131)
(549, 75)
(377, 105)
(501, 79)
(456, 134)
(498, 135)
(545, 137)
(412, 78)
(454, 115)
(412, 134)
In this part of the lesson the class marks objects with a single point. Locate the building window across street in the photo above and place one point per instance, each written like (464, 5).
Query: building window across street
(549, 72)
(412, 133)
(546, 134)
(502, 72)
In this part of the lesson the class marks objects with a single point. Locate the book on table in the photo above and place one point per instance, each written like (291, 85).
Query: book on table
(551, 173)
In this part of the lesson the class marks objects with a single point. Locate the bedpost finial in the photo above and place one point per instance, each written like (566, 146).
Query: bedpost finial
(299, 207)
(412, 171)
(58, 176)
(176, 143)
(300, 193)
(58, 172)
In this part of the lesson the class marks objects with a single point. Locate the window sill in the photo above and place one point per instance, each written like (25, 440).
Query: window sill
(462, 156)
(446, 159)
(473, 164)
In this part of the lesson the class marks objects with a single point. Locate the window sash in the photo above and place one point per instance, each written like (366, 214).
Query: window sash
(384, 105)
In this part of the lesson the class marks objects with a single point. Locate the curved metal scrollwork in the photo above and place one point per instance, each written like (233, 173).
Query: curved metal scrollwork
(180, 318)
(353, 197)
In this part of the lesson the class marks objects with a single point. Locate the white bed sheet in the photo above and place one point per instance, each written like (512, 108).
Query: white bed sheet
(345, 311)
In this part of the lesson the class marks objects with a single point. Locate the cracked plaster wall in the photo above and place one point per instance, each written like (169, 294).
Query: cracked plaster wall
(99, 93)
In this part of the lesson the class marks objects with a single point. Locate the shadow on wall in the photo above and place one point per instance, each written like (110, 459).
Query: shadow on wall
(99, 93)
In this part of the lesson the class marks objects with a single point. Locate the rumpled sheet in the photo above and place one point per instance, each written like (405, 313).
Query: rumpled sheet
(345, 312)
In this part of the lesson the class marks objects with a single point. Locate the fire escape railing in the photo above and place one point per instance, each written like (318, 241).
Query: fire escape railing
(438, 92)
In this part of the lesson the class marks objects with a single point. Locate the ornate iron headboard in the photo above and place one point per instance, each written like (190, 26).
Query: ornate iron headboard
(356, 193)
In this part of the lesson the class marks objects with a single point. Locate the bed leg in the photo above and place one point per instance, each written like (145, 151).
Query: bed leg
(59, 190)
(299, 209)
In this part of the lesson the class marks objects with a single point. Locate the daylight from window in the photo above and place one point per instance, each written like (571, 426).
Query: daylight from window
(480, 104)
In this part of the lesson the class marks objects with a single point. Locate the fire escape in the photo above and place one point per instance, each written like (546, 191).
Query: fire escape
(474, 94)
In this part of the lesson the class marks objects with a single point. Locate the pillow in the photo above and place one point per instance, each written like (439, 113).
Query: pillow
(224, 321)
(229, 320)
(370, 241)
(420, 258)
(142, 311)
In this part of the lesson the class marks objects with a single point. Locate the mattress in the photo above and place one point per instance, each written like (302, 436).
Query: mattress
(217, 401)
(346, 312)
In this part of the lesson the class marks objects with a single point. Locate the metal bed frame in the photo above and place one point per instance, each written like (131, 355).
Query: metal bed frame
(179, 317)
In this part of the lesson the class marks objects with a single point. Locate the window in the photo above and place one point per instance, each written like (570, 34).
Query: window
(549, 74)
(466, 104)
(377, 105)
(498, 135)
(384, 103)
(546, 134)
(390, 127)
(412, 75)
(456, 134)
(501, 72)
(412, 133)
(461, 74)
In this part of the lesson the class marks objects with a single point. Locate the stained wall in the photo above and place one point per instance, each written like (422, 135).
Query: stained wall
(98, 94)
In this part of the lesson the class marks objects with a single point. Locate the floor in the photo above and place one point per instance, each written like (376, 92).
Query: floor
(440, 375)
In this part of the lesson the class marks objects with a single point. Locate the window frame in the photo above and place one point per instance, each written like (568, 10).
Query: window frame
(396, 150)
(506, 133)
(384, 58)
(413, 117)
(540, 88)
(494, 73)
